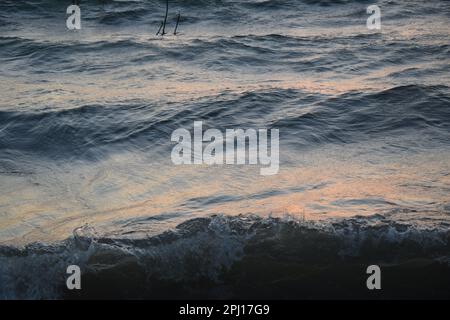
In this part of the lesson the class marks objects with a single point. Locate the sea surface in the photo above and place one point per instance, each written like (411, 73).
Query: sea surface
(86, 119)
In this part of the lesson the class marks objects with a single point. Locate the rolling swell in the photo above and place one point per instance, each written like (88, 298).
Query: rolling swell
(271, 52)
(347, 118)
(222, 257)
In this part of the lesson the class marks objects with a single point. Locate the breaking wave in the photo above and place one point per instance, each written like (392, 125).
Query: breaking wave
(223, 256)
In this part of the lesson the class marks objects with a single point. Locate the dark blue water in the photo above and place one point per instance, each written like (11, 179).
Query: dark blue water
(86, 118)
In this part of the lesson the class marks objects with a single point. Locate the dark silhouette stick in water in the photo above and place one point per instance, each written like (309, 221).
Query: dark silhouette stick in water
(160, 26)
(165, 18)
(176, 26)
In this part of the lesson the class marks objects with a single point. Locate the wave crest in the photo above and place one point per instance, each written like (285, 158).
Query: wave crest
(211, 252)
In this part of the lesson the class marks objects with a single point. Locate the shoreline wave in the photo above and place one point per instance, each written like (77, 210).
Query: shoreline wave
(215, 256)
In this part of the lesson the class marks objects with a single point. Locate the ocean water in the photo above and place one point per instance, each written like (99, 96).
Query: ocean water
(86, 175)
